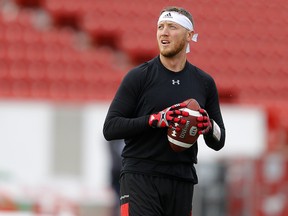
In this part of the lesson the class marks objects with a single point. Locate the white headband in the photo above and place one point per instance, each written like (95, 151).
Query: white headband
(181, 20)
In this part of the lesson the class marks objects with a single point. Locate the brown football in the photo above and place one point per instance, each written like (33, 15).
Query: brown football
(188, 135)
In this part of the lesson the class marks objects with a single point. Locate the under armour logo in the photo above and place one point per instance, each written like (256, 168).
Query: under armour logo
(174, 133)
(174, 82)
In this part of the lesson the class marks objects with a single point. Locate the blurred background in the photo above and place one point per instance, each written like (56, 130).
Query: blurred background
(61, 62)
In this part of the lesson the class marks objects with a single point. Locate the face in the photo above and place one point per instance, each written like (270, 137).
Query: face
(172, 38)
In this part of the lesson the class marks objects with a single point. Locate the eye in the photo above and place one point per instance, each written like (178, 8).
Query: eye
(160, 27)
(173, 27)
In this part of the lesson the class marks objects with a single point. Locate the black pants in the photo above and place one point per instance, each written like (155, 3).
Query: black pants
(144, 195)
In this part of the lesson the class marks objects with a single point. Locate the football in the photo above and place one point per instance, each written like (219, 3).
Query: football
(188, 135)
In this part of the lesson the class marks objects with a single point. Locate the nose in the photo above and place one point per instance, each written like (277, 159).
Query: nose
(164, 30)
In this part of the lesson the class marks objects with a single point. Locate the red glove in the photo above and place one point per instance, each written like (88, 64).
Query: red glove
(204, 125)
(207, 125)
(168, 116)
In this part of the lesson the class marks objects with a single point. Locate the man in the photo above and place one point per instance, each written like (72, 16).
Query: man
(155, 180)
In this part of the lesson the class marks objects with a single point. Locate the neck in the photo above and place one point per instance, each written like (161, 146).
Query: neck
(174, 64)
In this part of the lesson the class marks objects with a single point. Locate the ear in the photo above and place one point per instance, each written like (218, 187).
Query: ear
(190, 35)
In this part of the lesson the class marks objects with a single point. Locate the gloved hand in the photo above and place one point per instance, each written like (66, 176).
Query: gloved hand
(204, 125)
(207, 125)
(168, 116)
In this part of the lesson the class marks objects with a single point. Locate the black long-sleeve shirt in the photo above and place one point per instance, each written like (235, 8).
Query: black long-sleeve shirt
(150, 88)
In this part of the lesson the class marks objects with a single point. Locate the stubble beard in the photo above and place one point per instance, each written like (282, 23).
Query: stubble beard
(174, 51)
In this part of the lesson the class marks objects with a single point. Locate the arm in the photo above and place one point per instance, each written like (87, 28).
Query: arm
(121, 122)
(125, 117)
(211, 124)
(118, 125)
(214, 135)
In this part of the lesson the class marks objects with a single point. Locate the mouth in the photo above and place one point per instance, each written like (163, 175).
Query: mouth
(165, 42)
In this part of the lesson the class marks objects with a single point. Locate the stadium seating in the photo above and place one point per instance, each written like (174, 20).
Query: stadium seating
(88, 46)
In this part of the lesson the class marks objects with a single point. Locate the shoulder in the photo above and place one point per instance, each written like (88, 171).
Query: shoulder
(200, 72)
(141, 71)
(203, 75)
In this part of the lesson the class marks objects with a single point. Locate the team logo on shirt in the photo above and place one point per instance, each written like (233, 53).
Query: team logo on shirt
(175, 82)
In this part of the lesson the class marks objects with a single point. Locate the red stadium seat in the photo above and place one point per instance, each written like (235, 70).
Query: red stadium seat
(239, 50)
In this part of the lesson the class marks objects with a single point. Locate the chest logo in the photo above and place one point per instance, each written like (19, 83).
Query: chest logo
(175, 82)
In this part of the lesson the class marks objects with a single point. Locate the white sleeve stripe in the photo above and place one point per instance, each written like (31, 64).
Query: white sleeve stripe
(216, 131)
